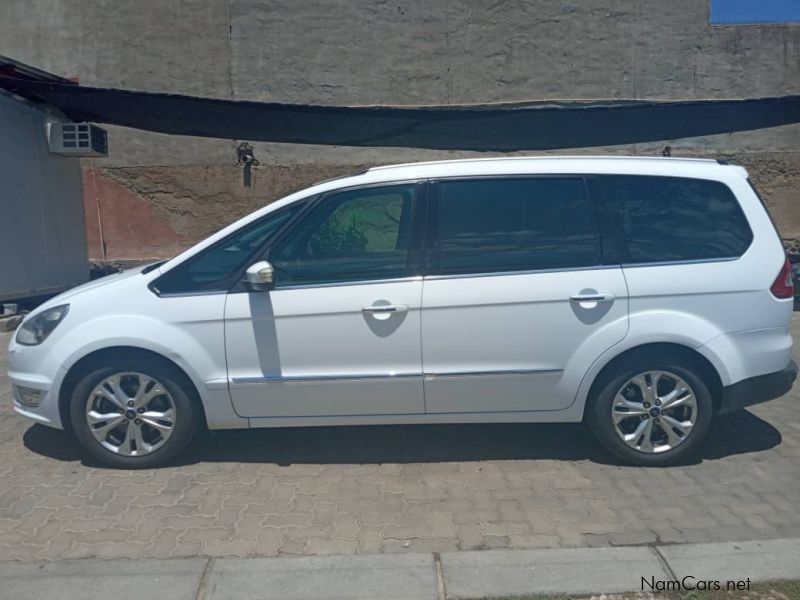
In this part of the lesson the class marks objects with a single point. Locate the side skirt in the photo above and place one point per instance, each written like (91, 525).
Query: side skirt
(572, 414)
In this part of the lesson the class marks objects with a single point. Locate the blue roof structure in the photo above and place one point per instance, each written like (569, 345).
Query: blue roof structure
(754, 12)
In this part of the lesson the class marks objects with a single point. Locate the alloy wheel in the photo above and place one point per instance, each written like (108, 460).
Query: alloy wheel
(654, 411)
(130, 414)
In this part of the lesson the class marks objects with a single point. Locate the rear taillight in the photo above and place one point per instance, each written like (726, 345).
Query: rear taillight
(783, 286)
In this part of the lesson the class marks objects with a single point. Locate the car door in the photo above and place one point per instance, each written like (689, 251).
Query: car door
(339, 334)
(518, 300)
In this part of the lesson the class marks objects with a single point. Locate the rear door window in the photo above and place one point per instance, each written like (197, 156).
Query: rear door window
(668, 219)
(513, 224)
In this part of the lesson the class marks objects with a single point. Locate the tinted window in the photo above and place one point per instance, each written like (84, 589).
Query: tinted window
(211, 269)
(496, 225)
(357, 235)
(671, 218)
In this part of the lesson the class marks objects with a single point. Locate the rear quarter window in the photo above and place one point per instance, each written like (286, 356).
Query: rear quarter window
(667, 219)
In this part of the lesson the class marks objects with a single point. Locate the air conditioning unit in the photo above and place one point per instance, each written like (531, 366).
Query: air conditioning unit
(77, 139)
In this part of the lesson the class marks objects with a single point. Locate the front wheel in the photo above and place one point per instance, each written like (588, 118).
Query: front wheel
(135, 415)
(651, 412)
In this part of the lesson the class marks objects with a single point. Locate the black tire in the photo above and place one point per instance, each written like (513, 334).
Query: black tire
(599, 409)
(187, 411)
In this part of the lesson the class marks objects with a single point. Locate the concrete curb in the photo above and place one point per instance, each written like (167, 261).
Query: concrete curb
(413, 576)
(617, 569)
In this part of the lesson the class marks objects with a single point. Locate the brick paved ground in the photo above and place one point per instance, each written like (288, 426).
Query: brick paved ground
(394, 489)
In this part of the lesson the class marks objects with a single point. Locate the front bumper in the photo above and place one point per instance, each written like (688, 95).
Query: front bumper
(35, 367)
(756, 390)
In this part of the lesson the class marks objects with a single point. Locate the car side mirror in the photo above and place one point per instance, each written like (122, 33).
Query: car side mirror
(259, 277)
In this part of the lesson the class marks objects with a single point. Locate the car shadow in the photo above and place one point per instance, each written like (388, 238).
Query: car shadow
(738, 433)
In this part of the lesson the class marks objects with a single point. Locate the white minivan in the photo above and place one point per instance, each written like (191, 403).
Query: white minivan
(643, 296)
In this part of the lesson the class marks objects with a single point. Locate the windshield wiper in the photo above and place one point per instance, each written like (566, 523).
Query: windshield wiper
(152, 267)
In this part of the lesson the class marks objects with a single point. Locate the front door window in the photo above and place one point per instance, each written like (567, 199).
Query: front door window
(357, 235)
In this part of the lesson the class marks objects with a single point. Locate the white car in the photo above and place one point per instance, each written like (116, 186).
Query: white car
(643, 296)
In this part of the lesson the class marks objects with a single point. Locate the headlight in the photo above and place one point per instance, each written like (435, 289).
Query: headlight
(35, 330)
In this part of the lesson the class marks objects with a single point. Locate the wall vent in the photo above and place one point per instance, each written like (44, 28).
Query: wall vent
(77, 139)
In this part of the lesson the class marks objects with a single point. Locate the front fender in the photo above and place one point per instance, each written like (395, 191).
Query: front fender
(188, 331)
(142, 333)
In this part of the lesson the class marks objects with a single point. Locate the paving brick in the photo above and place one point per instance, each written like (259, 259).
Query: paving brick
(331, 546)
(164, 543)
(58, 546)
(235, 547)
(119, 550)
(745, 485)
(131, 517)
(146, 530)
(209, 533)
(268, 541)
(290, 546)
(34, 519)
(187, 522)
(22, 552)
(505, 528)
(533, 540)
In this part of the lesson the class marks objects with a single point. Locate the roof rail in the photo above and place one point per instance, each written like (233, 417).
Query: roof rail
(514, 158)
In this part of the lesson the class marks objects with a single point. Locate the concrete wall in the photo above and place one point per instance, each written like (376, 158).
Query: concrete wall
(42, 246)
(165, 191)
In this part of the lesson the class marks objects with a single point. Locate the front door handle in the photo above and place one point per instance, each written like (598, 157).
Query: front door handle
(385, 308)
(592, 297)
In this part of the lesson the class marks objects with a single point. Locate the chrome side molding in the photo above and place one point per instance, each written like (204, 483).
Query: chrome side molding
(389, 376)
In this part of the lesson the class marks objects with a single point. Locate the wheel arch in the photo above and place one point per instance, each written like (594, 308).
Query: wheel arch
(101, 356)
(659, 350)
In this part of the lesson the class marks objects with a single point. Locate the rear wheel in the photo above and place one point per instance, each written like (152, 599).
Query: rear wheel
(651, 412)
(133, 415)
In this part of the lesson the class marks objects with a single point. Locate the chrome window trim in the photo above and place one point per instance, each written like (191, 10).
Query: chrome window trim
(470, 275)
(301, 286)
(590, 268)
(692, 261)
(390, 376)
(188, 294)
(526, 272)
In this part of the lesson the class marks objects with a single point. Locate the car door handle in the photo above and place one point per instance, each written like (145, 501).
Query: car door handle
(592, 297)
(386, 308)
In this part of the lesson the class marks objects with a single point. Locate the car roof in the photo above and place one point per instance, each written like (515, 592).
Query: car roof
(531, 165)
(535, 159)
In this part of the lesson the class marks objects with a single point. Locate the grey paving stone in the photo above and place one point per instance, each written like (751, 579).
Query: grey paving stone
(765, 560)
(560, 570)
(418, 489)
(176, 579)
(367, 577)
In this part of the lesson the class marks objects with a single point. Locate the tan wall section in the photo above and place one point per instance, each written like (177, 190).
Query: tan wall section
(121, 225)
(155, 212)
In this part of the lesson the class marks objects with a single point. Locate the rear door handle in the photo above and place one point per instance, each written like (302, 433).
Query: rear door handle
(386, 308)
(592, 297)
